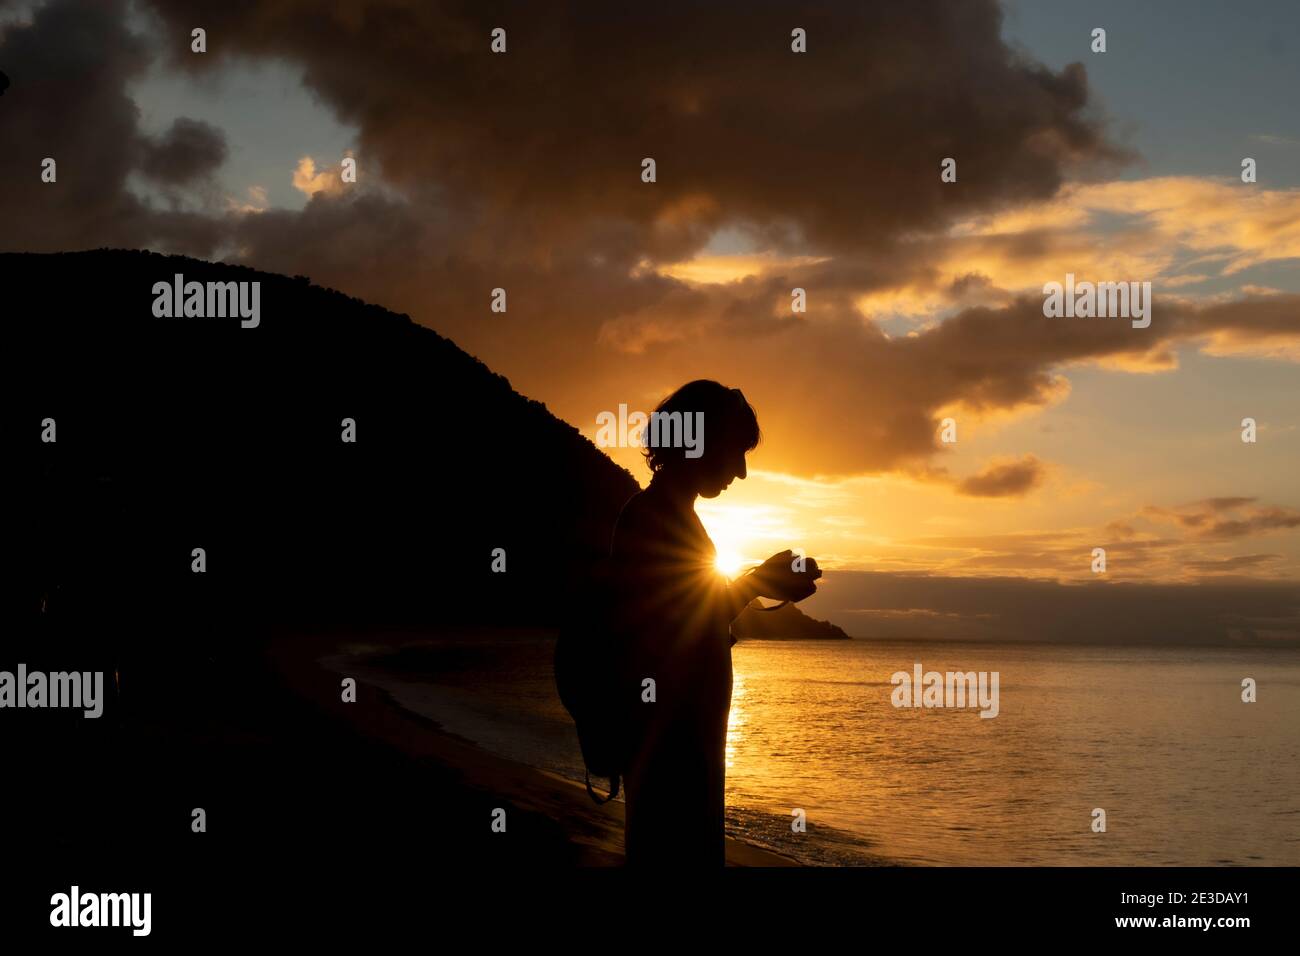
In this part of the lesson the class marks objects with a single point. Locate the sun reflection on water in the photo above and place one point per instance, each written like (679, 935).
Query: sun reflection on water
(737, 719)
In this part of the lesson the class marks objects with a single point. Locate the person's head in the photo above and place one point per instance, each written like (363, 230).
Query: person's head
(703, 431)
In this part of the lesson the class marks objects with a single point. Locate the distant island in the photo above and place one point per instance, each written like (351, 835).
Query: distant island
(787, 624)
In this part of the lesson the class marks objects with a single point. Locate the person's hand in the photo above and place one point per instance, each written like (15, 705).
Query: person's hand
(777, 578)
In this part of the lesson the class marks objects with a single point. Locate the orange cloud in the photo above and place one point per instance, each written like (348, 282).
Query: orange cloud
(309, 181)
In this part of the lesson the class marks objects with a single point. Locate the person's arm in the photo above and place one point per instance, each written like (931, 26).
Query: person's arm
(740, 592)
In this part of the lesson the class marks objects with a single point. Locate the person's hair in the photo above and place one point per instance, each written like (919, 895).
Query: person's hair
(729, 421)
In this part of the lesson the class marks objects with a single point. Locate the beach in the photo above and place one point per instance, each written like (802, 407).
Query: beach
(455, 727)
(564, 826)
(820, 732)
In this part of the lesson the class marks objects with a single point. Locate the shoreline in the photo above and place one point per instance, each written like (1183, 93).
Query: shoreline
(594, 833)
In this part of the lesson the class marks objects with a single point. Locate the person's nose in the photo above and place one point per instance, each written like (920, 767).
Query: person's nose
(741, 472)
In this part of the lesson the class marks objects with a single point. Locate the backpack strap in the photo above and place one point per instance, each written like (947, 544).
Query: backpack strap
(613, 789)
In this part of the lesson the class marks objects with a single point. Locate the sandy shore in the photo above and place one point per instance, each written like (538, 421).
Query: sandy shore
(592, 834)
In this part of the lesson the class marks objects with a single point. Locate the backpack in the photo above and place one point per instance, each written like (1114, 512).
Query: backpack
(592, 676)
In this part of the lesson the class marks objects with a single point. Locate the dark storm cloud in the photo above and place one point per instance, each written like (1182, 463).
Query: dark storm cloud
(839, 147)
(189, 149)
(70, 68)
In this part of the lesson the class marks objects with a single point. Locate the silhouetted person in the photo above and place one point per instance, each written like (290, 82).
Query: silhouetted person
(4, 83)
(677, 610)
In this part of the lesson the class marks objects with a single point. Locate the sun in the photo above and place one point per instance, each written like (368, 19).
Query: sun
(731, 529)
(729, 562)
(744, 534)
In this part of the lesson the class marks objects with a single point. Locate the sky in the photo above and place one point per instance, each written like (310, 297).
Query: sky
(775, 170)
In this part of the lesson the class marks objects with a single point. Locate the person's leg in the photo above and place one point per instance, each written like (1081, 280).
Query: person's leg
(653, 826)
(667, 805)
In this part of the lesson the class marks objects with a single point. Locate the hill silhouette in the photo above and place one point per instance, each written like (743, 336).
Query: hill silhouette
(787, 623)
(182, 433)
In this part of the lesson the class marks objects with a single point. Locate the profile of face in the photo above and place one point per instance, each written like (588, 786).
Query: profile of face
(714, 473)
(732, 432)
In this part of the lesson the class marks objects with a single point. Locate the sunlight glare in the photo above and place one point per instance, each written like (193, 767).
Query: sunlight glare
(729, 562)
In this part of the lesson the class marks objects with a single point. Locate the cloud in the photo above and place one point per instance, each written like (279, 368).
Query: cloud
(71, 64)
(255, 203)
(1004, 479)
(1152, 229)
(307, 180)
(1240, 562)
(1059, 555)
(1138, 547)
(1244, 224)
(552, 133)
(1222, 519)
(188, 150)
(922, 607)
(1000, 478)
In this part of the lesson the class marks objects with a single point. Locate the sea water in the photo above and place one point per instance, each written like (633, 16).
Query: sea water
(1157, 738)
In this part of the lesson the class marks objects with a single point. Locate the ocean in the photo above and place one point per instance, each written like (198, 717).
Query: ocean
(1159, 739)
